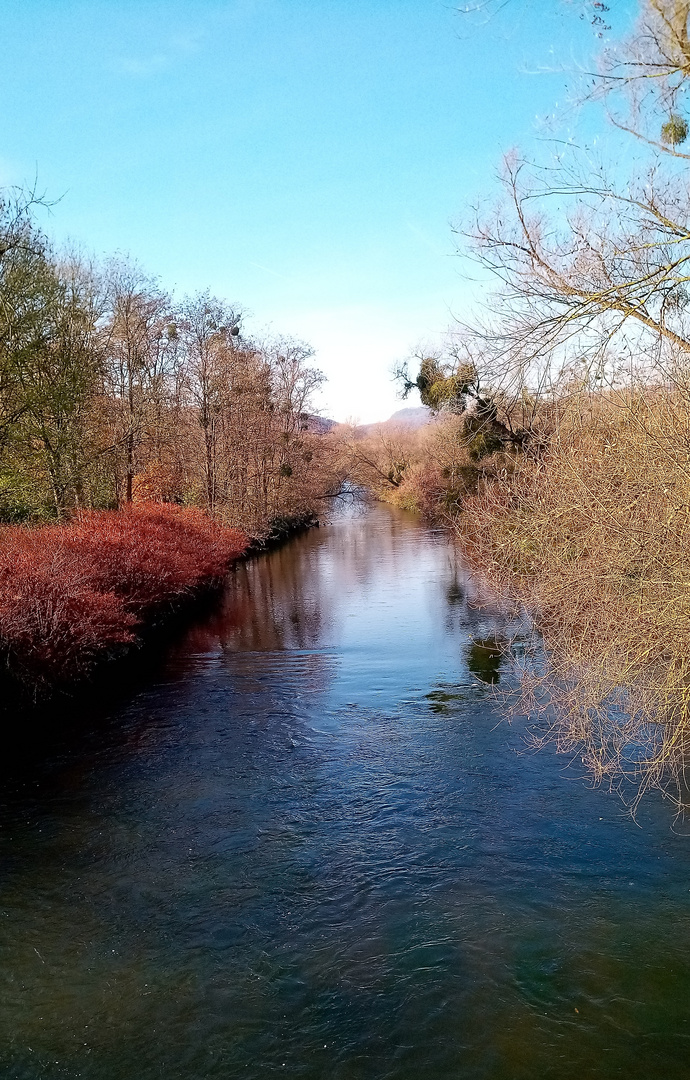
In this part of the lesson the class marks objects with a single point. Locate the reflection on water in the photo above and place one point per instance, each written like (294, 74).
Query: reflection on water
(485, 657)
(311, 847)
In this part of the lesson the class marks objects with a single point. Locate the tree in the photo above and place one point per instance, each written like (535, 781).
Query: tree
(23, 274)
(594, 11)
(110, 393)
(593, 266)
(60, 374)
(49, 366)
(208, 329)
(450, 382)
(642, 79)
(140, 343)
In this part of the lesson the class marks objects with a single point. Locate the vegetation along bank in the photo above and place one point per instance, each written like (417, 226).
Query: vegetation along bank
(145, 443)
(559, 451)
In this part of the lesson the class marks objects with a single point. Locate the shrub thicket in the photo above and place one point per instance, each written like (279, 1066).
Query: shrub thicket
(593, 538)
(70, 595)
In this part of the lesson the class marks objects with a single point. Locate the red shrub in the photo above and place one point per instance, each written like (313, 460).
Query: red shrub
(70, 593)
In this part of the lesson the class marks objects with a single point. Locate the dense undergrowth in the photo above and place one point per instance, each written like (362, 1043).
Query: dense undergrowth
(588, 531)
(74, 594)
(592, 537)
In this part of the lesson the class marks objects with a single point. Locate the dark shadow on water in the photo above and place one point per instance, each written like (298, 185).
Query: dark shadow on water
(443, 699)
(34, 731)
(485, 657)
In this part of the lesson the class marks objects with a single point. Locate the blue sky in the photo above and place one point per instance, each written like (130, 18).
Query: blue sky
(302, 158)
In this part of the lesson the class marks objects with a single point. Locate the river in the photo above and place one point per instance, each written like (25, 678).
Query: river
(308, 845)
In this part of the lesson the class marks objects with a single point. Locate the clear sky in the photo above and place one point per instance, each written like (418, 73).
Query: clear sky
(302, 158)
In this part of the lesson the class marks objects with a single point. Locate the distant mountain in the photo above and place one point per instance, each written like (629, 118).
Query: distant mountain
(319, 424)
(411, 418)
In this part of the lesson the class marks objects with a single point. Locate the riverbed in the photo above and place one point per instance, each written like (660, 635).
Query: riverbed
(309, 844)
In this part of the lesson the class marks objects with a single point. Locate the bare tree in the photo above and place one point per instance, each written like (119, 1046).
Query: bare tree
(139, 342)
(208, 328)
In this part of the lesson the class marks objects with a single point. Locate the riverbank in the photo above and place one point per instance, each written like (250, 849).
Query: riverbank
(75, 595)
(78, 597)
(587, 530)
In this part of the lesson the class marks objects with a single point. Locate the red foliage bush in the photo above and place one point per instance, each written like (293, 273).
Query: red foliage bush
(70, 594)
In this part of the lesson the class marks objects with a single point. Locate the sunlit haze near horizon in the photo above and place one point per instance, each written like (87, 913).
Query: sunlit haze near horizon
(301, 158)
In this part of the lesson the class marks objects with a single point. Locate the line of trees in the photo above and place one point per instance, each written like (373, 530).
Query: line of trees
(112, 392)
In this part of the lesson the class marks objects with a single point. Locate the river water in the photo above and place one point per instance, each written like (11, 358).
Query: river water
(309, 846)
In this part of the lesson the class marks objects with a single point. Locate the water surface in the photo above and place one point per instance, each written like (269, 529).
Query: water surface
(310, 846)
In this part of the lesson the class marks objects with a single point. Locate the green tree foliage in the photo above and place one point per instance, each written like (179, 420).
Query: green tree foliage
(49, 367)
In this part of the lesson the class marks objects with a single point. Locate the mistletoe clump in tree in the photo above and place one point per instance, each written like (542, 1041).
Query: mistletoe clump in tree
(452, 385)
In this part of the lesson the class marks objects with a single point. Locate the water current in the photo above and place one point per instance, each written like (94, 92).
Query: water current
(309, 845)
